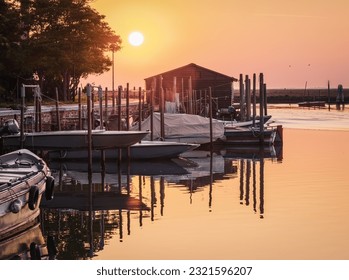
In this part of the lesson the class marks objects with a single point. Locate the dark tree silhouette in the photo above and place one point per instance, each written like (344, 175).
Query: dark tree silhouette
(53, 42)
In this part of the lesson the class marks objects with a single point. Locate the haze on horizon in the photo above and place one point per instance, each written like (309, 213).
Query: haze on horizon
(291, 42)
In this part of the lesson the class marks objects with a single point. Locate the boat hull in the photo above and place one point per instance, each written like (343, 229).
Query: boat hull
(23, 181)
(249, 136)
(74, 139)
(138, 151)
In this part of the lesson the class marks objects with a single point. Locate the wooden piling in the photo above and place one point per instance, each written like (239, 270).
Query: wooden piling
(248, 97)
(89, 129)
(151, 114)
(119, 107)
(265, 99)
(329, 97)
(190, 96)
(22, 116)
(127, 107)
(79, 109)
(162, 111)
(106, 108)
(261, 106)
(58, 120)
(100, 100)
(140, 109)
(211, 130)
(254, 100)
(242, 98)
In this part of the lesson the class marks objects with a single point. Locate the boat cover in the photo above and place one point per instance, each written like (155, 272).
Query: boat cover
(183, 126)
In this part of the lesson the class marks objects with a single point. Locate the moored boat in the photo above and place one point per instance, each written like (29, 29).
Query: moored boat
(24, 178)
(74, 139)
(185, 128)
(249, 136)
(139, 151)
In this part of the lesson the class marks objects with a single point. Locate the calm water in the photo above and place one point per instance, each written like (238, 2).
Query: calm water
(292, 205)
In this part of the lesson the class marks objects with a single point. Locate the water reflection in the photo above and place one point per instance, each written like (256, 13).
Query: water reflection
(28, 244)
(90, 209)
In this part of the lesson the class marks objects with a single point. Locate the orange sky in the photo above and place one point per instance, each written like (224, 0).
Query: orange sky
(291, 42)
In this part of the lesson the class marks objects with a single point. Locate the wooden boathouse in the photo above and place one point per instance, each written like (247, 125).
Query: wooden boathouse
(188, 86)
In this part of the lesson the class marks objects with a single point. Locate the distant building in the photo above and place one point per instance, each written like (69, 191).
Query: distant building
(187, 87)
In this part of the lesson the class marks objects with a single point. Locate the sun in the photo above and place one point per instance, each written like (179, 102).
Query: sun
(136, 38)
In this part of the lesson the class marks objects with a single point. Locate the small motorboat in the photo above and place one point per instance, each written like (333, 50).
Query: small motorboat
(24, 178)
(66, 139)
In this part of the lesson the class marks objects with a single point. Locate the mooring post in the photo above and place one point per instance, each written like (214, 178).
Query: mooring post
(242, 98)
(127, 107)
(151, 114)
(254, 100)
(328, 95)
(248, 97)
(100, 99)
(261, 105)
(119, 107)
(140, 111)
(79, 109)
(22, 116)
(211, 132)
(162, 111)
(58, 121)
(106, 107)
(265, 100)
(89, 128)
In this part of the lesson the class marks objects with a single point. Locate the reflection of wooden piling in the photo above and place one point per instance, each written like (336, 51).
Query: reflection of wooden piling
(242, 171)
(140, 196)
(248, 175)
(254, 186)
(152, 197)
(261, 187)
(162, 195)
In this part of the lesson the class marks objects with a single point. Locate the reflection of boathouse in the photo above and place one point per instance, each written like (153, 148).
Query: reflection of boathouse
(188, 86)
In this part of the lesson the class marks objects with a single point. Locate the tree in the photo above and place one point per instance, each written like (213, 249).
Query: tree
(61, 42)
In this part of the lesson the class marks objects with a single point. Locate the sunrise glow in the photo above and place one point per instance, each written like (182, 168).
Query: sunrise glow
(136, 38)
(293, 43)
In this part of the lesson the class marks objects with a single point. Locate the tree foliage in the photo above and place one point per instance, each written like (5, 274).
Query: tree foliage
(53, 42)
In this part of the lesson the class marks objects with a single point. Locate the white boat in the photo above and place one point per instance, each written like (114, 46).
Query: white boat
(184, 128)
(73, 139)
(141, 150)
(24, 178)
(234, 124)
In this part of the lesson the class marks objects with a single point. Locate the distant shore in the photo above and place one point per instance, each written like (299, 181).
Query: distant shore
(301, 95)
